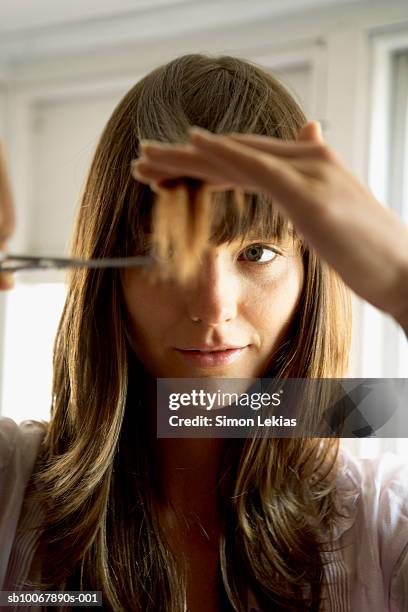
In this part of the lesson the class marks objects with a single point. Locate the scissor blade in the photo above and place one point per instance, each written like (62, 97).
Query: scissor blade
(16, 263)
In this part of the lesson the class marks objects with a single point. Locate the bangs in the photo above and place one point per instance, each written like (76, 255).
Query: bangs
(257, 219)
(178, 223)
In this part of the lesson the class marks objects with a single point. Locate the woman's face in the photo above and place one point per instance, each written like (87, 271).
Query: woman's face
(244, 295)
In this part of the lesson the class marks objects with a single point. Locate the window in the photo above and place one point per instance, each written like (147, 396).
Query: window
(33, 311)
(60, 144)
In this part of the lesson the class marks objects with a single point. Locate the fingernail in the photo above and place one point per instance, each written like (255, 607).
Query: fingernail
(143, 144)
(134, 171)
(195, 130)
(6, 280)
(319, 127)
(147, 141)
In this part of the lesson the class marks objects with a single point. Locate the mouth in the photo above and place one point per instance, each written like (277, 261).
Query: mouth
(210, 358)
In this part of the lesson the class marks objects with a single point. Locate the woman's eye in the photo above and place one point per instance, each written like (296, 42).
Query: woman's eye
(260, 253)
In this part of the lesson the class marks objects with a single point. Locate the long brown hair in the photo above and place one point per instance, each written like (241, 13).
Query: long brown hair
(96, 472)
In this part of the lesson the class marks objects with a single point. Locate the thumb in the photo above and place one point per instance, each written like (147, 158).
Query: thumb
(6, 278)
(311, 131)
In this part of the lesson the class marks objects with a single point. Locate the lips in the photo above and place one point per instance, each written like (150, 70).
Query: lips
(206, 348)
(211, 358)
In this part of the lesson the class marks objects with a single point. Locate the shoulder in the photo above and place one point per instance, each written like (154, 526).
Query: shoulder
(381, 484)
(380, 488)
(19, 445)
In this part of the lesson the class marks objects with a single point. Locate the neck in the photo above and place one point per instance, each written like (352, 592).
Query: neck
(188, 475)
(187, 467)
(190, 464)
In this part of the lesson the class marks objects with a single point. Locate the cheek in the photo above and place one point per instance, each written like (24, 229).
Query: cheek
(148, 309)
(273, 303)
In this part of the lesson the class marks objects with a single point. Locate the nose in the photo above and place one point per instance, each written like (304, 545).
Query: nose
(213, 298)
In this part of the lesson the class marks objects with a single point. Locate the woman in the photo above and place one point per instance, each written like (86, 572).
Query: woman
(210, 524)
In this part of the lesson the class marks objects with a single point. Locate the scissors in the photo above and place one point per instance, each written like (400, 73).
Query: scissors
(16, 263)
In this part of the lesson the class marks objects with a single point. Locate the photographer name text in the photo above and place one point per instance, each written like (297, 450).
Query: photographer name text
(223, 421)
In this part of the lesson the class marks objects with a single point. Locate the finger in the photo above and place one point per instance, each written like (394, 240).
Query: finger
(172, 156)
(311, 131)
(6, 281)
(167, 161)
(153, 172)
(267, 144)
(7, 214)
(308, 146)
(172, 161)
(202, 167)
(144, 172)
(253, 170)
(184, 155)
(155, 176)
(160, 162)
(217, 159)
(6, 278)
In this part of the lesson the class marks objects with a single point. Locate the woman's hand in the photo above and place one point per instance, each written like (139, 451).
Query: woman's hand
(7, 217)
(337, 215)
